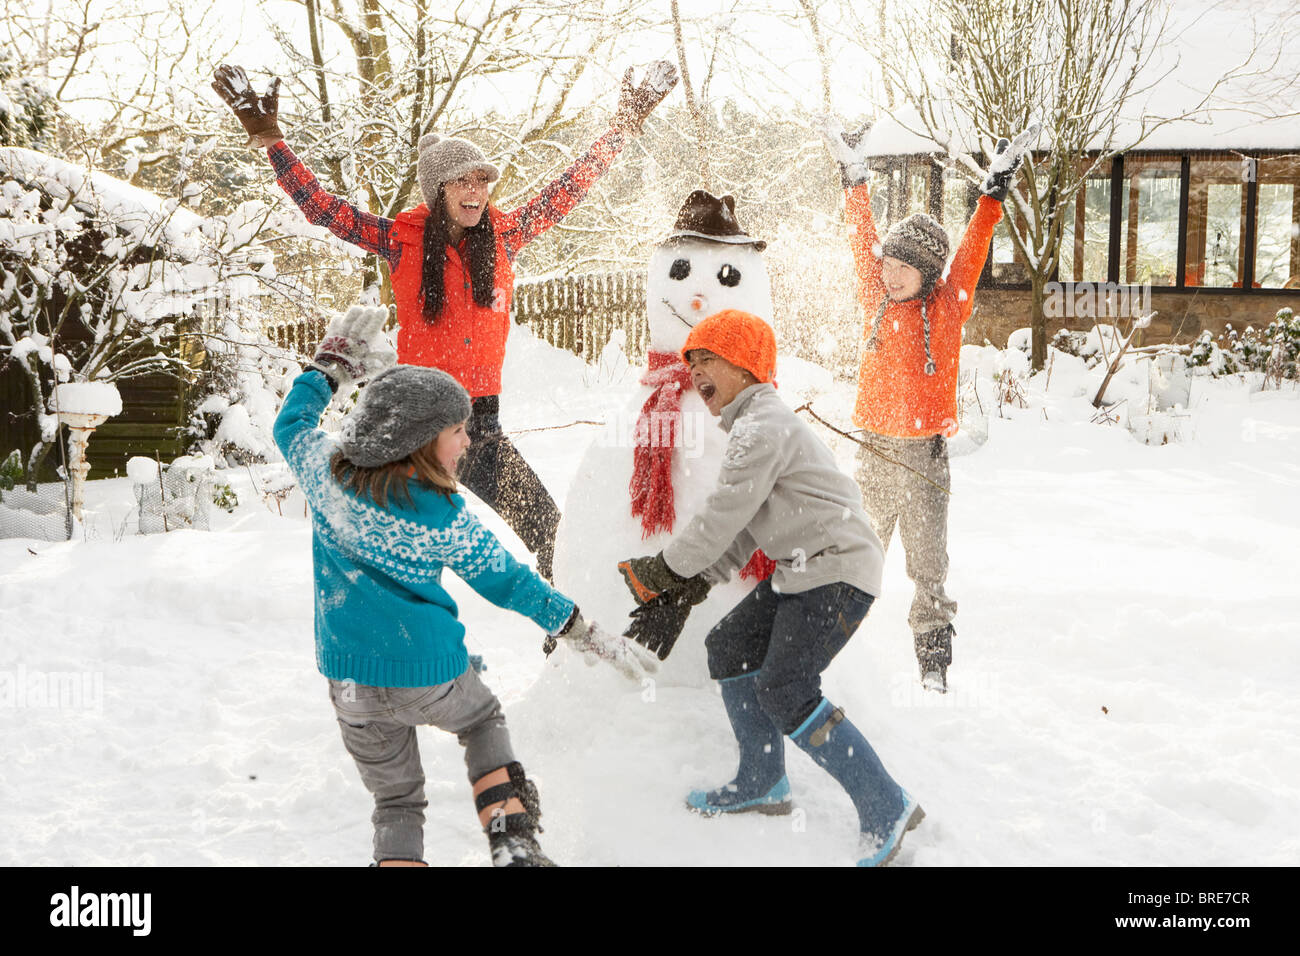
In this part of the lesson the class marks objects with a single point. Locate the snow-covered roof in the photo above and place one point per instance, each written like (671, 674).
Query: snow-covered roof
(1256, 107)
(110, 200)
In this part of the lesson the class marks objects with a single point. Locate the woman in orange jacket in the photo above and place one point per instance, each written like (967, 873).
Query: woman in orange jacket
(907, 384)
(451, 263)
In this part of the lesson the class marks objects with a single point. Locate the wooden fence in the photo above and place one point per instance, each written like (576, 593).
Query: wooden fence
(299, 337)
(577, 313)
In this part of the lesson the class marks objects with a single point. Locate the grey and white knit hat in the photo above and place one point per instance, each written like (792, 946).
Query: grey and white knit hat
(443, 159)
(921, 242)
(401, 410)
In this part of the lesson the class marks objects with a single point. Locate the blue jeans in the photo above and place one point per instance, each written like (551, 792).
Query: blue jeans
(789, 639)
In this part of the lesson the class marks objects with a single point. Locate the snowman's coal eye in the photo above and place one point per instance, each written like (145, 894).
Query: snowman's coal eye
(680, 269)
(729, 275)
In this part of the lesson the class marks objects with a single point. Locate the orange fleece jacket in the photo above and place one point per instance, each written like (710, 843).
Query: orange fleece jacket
(895, 396)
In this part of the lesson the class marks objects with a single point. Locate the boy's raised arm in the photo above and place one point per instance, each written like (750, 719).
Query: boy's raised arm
(849, 150)
(968, 263)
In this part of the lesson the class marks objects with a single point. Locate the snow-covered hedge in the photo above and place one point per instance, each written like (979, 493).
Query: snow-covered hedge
(1275, 351)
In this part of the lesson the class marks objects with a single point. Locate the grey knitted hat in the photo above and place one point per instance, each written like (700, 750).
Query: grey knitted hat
(401, 410)
(444, 159)
(921, 242)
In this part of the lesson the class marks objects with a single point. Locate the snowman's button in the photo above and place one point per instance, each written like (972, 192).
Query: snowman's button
(467, 340)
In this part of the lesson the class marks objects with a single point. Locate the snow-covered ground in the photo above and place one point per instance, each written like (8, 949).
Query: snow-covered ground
(1122, 693)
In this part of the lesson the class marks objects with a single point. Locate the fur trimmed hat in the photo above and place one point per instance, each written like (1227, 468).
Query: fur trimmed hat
(921, 242)
(443, 159)
(401, 410)
(742, 338)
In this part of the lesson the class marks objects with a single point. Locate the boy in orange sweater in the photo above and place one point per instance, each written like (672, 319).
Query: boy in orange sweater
(907, 386)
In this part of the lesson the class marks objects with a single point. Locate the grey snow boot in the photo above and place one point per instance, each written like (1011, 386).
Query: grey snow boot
(933, 655)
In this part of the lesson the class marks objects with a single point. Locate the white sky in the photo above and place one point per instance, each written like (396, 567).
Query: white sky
(767, 56)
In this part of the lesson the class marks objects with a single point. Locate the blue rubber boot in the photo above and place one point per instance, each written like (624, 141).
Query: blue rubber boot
(885, 810)
(760, 784)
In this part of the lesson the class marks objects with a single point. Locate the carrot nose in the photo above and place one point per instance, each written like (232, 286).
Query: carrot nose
(698, 303)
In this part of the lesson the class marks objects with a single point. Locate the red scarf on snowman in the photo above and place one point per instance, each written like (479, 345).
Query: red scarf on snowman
(657, 430)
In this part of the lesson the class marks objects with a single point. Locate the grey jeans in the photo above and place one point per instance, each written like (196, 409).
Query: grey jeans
(378, 726)
(894, 495)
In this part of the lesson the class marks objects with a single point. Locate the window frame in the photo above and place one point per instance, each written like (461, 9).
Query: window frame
(938, 183)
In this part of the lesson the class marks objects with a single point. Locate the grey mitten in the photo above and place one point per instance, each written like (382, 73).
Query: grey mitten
(1006, 161)
(354, 347)
(848, 149)
(259, 115)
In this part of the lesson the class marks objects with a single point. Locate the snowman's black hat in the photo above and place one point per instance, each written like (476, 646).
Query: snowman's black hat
(705, 216)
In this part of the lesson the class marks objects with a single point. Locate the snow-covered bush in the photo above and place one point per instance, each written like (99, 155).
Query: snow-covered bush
(11, 472)
(1070, 341)
(244, 381)
(1099, 344)
(26, 106)
(1275, 351)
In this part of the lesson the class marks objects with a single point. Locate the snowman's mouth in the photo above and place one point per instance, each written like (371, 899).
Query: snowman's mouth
(677, 314)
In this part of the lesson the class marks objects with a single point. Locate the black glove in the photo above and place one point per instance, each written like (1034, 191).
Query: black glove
(258, 114)
(657, 624)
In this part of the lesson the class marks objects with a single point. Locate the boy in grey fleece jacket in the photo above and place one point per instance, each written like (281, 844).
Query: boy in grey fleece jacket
(778, 489)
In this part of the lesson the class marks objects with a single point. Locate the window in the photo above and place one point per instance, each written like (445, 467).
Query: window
(958, 206)
(1149, 220)
(884, 186)
(1002, 257)
(1085, 235)
(1277, 223)
(918, 186)
(1216, 211)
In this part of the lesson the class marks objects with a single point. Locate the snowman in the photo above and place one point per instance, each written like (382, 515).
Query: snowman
(655, 465)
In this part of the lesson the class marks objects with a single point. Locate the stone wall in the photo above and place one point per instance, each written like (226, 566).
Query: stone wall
(1180, 315)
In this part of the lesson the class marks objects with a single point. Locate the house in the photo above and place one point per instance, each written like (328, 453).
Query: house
(1200, 222)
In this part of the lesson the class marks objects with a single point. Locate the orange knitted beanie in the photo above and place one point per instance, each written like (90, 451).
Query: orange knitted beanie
(743, 339)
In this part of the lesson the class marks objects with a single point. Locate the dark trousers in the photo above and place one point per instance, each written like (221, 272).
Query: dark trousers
(789, 639)
(494, 470)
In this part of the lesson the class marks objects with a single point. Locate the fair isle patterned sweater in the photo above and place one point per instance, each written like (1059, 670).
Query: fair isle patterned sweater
(382, 615)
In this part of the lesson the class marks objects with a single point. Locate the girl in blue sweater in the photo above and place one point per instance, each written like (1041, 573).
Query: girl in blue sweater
(386, 520)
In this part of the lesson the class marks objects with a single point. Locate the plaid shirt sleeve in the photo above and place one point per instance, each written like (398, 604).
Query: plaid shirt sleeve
(521, 226)
(350, 223)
